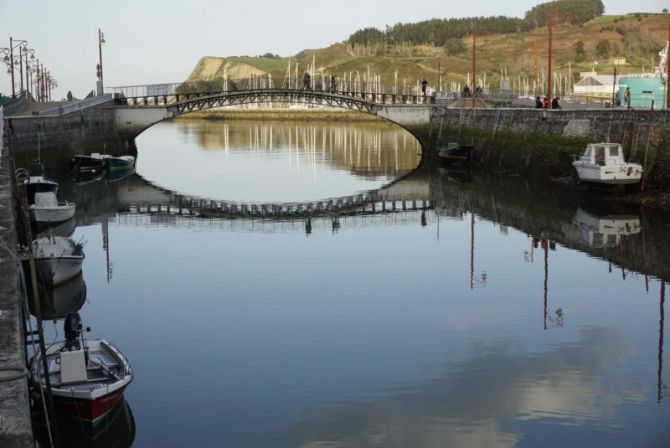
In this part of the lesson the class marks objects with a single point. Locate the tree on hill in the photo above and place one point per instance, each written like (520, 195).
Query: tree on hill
(579, 11)
(580, 54)
(603, 49)
(367, 36)
(455, 46)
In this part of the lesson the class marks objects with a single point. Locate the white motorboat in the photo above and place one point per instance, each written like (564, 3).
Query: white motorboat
(604, 163)
(47, 208)
(88, 377)
(57, 258)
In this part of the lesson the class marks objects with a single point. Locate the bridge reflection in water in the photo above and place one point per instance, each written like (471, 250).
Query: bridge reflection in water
(368, 150)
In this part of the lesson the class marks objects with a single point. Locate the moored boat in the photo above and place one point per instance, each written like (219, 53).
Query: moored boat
(47, 208)
(119, 163)
(91, 162)
(88, 377)
(455, 153)
(57, 258)
(604, 163)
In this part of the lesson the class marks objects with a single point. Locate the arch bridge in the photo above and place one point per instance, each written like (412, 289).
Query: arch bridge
(134, 114)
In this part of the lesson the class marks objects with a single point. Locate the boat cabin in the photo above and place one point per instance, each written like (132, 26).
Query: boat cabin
(603, 154)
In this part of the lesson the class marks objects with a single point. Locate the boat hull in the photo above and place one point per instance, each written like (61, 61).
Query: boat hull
(58, 270)
(91, 411)
(617, 175)
(57, 213)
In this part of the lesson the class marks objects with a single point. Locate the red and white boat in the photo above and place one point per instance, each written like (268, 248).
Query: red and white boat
(88, 377)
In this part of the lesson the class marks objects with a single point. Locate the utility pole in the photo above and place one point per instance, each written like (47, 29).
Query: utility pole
(535, 67)
(550, 23)
(473, 90)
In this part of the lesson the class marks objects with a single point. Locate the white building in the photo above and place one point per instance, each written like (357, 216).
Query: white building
(593, 84)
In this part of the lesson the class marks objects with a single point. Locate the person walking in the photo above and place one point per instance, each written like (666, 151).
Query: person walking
(424, 85)
(306, 80)
(333, 84)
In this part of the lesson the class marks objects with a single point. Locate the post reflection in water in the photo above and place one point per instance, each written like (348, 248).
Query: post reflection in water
(371, 331)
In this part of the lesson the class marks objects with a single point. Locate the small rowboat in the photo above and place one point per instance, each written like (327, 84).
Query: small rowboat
(88, 377)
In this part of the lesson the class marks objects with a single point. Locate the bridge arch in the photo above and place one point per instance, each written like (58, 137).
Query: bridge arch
(135, 114)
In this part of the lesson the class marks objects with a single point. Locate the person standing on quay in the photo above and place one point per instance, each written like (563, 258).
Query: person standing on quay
(626, 97)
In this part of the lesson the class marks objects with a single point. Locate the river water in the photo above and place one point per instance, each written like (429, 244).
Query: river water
(459, 310)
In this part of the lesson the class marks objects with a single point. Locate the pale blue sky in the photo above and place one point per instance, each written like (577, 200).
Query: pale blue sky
(160, 41)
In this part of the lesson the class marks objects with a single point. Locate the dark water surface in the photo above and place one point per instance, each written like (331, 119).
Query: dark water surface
(505, 314)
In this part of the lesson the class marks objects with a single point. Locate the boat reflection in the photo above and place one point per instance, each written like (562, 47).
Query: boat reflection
(87, 177)
(117, 430)
(118, 174)
(458, 174)
(605, 231)
(65, 229)
(57, 301)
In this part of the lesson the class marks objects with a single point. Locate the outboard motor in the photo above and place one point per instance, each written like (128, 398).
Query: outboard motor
(73, 329)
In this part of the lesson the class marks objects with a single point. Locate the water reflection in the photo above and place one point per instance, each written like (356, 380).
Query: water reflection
(117, 430)
(57, 301)
(490, 399)
(605, 231)
(448, 310)
(301, 161)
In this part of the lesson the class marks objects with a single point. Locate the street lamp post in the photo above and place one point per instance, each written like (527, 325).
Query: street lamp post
(27, 51)
(101, 40)
(21, 45)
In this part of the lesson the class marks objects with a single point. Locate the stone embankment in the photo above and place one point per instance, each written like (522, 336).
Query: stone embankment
(545, 141)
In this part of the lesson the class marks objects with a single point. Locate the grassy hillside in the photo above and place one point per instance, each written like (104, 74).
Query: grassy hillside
(638, 37)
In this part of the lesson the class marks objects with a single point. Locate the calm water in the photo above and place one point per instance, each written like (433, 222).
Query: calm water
(503, 315)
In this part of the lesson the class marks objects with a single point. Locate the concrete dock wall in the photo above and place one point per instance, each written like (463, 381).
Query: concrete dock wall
(15, 426)
(82, 129)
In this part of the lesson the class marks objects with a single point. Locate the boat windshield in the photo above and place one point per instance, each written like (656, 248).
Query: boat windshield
(614, 151)
(600, 155)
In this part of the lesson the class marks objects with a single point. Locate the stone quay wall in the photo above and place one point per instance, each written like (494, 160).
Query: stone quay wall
(87, 128)
(546, 140)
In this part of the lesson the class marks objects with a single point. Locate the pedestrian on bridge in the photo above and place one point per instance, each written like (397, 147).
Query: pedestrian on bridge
(424, 84)
(306, 81)
(333, 84)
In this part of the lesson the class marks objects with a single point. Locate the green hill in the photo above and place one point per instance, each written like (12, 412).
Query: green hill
(595, 44)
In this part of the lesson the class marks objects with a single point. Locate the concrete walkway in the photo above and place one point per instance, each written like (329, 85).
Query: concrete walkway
(15, 427)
